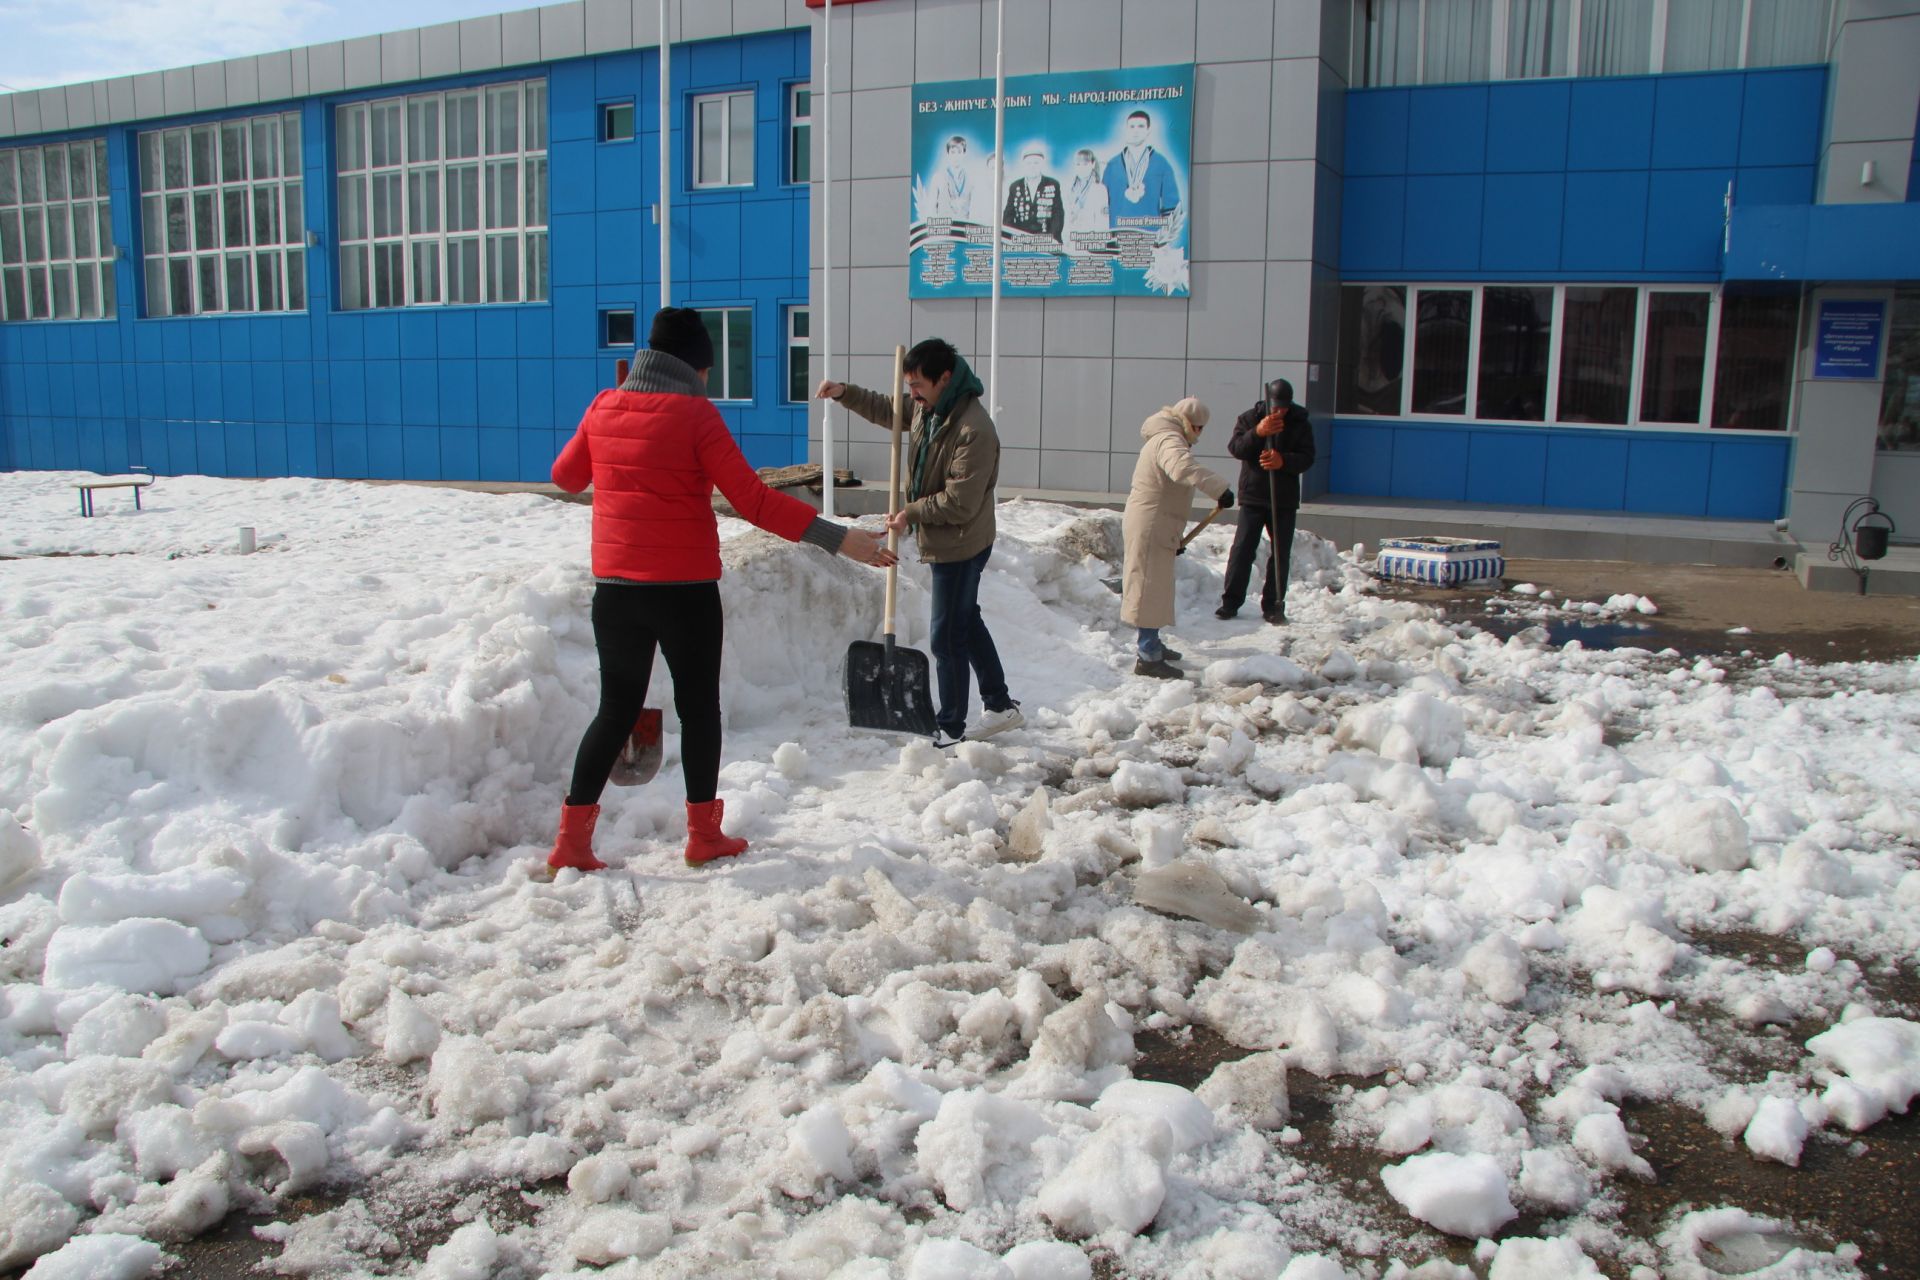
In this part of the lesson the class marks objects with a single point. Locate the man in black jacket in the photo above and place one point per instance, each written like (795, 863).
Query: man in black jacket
(1274, 442)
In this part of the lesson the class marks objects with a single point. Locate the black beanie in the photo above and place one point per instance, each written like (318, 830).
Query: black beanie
(680, 332)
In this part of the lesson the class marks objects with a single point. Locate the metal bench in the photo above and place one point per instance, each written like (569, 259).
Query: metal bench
(134, 482)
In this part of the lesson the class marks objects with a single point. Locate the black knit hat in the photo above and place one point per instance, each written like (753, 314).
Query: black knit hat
(680, 332)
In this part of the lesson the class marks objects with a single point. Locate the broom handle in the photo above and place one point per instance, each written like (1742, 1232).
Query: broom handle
(893, 480)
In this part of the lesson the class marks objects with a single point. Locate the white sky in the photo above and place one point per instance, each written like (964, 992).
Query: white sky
(48, 42)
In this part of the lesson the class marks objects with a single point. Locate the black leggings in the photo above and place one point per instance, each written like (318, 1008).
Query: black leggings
(684, 621)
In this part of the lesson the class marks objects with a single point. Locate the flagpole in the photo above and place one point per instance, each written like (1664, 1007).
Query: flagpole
(993, 212)
(666, 168)
(826, 260)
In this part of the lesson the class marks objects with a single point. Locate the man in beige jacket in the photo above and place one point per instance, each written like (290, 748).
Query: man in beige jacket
(1163, 483)
(952, 465)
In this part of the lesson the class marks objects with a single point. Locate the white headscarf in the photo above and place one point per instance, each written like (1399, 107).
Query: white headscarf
(1191, 413)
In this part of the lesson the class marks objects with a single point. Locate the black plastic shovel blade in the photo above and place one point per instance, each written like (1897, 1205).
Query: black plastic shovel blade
(888, 689)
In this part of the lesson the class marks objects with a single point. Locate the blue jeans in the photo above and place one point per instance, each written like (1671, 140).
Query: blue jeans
(1150, 648)
(961, 645)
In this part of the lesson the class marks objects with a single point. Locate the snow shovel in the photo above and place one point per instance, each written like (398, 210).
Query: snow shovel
(639, 759)
(1194, 532)
(887, 686)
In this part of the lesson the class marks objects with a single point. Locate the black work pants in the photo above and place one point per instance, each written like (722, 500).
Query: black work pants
(683, 621)
(1254, 524)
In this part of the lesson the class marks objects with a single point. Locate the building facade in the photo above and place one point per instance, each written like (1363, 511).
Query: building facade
(1615, 255)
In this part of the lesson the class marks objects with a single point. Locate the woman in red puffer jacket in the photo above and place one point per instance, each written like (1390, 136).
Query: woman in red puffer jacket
(654, 451)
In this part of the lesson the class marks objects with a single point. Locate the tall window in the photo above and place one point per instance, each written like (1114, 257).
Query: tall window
(723, 140)
(1373, 348)
(56, 232)
(1457, 40)
(1753, 374)
(1616, 37)
(799, 133)
(799, 322)
(732, 331)
(1674, 364)
(1516, 338)
(1537, 38)
(443, 197)
(223, 217)
(1442, 337)
(1900, 395)
(1596, 355)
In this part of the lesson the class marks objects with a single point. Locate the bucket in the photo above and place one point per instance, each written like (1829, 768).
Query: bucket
(246, 540)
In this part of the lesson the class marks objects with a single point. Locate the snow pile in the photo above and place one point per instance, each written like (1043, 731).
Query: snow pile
(271, 916)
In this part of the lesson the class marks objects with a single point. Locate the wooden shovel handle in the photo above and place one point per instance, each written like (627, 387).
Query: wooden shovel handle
(1195, 531)
(893, 476)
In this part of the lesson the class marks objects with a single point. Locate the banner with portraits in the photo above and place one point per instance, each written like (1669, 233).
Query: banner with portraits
(1096, 196)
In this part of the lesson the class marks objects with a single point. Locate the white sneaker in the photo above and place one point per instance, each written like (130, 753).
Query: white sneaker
(943, 739)
(992, 722)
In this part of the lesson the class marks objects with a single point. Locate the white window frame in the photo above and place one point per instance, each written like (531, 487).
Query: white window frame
(795, 122)
(1636, 383)
(526, 235)
(15, 265)
(721, 373)
(795, 342)
(283, 242)
(728, 103)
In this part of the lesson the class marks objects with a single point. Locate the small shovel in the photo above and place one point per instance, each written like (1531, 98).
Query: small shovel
(640, 758)
(887, 686)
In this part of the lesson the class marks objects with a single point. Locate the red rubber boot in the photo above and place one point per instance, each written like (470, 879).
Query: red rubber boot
(705, 842)
(573, 847)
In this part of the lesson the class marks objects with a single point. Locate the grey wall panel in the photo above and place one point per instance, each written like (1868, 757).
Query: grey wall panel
(946, 41)
(1078, 327)
(877, 211)
(1295, 127)
(952, 320)
(1328, 197)
(1289, 305)
(1083, 35)
(816, 291)
(79, 106)
(102, 109)
(882, 45)
(1331, 123)
(1841, 182)
(209, 87)
(399, 57)
(480, 44)
(1022, 326)
(1018, 421)
(1029, 39)
(243, 81)
(704, 20)
(1231, 108)
(1859, 10)
(50, 108)
(176, 88)
(6, 115)
(1231, 214)
(1896, 483)
(1078, 472)
(1224, 316)
(120, 99)
(326, 68)
(520, 38)
(882, 120)
(1336, 35)
(750, 16)
(1076, 403)
(1289, 196)
(1227, 386)
(563, 30)
(646, 24)
(609, 25)
(1139, 388)
(881, 319)
(1157, 32)
(1019, 468)
(362, 63)
(440, 50)
(300, 69)
(149, 95)
(1875, 82)
(1233, 30)
(1149, 327)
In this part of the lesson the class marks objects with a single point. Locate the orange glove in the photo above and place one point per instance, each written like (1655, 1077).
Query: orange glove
(1272, 460)
(1271, 424)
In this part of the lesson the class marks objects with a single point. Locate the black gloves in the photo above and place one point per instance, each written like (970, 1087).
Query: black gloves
(1226, 499)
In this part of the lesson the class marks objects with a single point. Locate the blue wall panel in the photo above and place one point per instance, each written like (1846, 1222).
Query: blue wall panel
(1696, 121)
(1604, 230)
(1362, 458)
(1376, 132)
(1430, 463)
(1668, 476)
(1507, 468)
(1789, 184)
(1372, 224)
(1686, 219)
(1445, 237)
(1781, 115)
(1588, 471)
(1748, 479)
(1611, 124)
(1448, 134)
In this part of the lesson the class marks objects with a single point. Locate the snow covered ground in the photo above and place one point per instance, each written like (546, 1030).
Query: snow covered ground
(270, 917)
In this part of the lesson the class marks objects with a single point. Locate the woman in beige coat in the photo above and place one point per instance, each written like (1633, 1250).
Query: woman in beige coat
(1163, 483)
